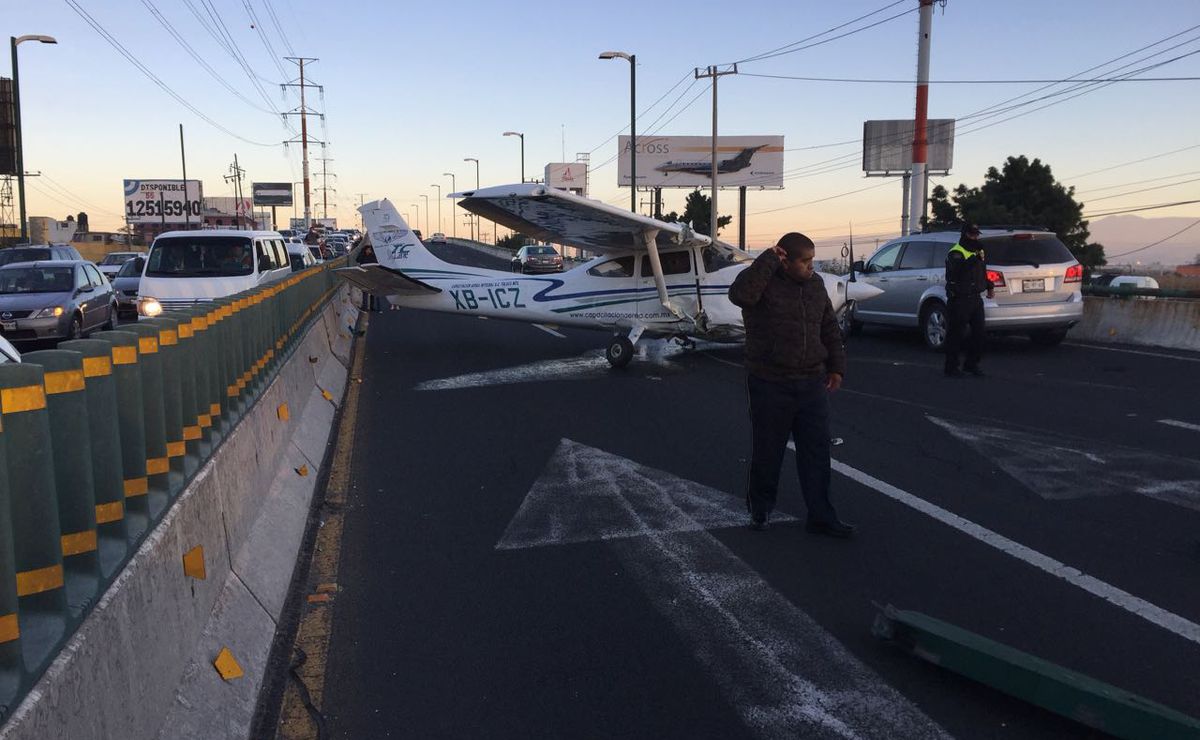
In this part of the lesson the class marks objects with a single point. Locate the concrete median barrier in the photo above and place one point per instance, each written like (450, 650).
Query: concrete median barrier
(211, 577)
(1169, 323)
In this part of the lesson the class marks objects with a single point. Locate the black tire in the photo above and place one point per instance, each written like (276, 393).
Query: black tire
(619, 352)
(76, 330)
(113, 314)
(934, 325)
(1048, 337)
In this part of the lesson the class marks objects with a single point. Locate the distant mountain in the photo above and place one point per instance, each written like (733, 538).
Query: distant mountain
(1128, 232)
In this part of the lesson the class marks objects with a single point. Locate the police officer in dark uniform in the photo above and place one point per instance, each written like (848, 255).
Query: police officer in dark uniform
(966, 279)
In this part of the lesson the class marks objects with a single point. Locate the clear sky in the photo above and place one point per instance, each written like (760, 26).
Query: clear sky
(410, 89)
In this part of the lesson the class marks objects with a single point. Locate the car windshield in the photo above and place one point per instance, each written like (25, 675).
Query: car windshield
(117, 258)
(132, 268)
(39, 279)
(1025, 249)
(200, 256)
(9, 256)
(542, 250)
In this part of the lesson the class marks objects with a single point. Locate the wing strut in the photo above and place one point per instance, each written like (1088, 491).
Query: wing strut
(649, 240)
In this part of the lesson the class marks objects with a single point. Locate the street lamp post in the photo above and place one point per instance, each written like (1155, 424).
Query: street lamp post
(453, 189)
(426, 197)
(475, 228)
(518, 133)
(439, 202)
(632, 59)
(20, 157)
(416, 222)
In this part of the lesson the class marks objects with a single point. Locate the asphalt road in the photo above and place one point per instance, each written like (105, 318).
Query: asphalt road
(488, 587)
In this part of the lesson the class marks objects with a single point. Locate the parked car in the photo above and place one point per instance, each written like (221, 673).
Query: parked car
(1037, 285)
(537, 258)
(125, 285)
(185, 267)
(319, 253)
(112, 262)
(437, 237)
(300, 257)
(40, 253)
(54, 299)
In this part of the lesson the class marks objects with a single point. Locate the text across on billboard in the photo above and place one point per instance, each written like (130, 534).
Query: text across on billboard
(686, 161)
(162, 201)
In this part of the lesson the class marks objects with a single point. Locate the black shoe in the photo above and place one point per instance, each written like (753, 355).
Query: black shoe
(953, 372)
(760, 524)
(974, 371)
(836, 528)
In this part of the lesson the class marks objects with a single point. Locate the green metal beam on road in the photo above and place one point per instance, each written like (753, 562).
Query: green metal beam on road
(1060, 690)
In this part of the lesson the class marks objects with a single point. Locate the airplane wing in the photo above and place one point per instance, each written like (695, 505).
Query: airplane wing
(557, 216)
(377, 279)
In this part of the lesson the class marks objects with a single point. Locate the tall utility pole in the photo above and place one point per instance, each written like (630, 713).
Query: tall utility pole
(453, 203)
(439, 202)
(303, 112)
(475, 225)
(362, 197)
(426, 197)
(16, 41)
(920, 151)
(714, 73)
(235, 176)
(325, 174)
(187, 204)
(632, 59)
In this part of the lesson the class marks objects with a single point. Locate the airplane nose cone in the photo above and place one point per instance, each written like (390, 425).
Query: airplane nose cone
(861, 291)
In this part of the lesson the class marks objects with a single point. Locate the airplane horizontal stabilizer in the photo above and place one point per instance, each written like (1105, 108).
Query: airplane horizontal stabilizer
(382, 281)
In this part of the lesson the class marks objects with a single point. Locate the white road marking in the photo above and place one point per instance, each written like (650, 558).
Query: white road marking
(1180, 424)
(1055, 467)
(1169, 621)
(588, 366)
(1133, 351)
(783, 673)
(550, 331)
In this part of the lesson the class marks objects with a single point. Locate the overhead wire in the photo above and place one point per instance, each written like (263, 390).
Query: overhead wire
(279, 27)
(802, 44)
(116, 44)
(1155, 244)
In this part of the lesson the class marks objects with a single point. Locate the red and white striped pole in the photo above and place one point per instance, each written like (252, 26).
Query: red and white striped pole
(920, 150)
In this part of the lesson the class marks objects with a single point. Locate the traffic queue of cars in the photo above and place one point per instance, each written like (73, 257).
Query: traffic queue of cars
(51, 293)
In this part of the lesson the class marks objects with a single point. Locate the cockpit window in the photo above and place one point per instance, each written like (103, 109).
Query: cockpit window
(620, 267)
(718, 259)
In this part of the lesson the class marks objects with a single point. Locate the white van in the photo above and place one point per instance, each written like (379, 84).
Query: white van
(185, 267)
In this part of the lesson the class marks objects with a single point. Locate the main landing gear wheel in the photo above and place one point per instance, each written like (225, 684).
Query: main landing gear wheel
(619, 351)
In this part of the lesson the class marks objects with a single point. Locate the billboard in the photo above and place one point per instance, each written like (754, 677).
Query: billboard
(272, 193)
(570, 176)
(887, 146)
(162, 201)
(686, 161)
(8, 129)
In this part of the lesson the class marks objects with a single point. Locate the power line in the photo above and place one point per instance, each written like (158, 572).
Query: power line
(257, 24)
(1138, 182)
(1145, 190)
(878, 81)
(646, 110)
(1135, 161)
(1155, 244)
(1138, 209)
(278, 27)
(800, 45)
(692, 102)
(112, 41)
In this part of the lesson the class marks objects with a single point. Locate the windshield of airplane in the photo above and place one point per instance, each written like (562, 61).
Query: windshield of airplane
(718, 259)
(201, 256)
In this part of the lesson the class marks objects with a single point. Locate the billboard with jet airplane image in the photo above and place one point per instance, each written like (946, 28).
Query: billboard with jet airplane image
(686, 161)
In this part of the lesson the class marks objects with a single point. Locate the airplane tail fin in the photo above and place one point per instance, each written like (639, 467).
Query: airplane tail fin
(396, 246)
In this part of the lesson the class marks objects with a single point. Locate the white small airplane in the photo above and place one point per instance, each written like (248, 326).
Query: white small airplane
(652, 278)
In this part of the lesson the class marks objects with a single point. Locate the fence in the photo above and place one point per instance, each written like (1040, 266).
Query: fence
(100, 436)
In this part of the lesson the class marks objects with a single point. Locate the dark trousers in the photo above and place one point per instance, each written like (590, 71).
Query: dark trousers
(797, 409)
(963, 314)
(369, 302)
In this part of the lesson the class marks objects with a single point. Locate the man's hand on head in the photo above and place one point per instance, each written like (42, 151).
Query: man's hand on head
(833, 381)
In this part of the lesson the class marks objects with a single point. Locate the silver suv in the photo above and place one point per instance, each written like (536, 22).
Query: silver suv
(1037, 285)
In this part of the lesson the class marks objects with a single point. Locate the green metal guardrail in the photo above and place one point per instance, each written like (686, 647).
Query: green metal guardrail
(1123, 291)
(98, 437)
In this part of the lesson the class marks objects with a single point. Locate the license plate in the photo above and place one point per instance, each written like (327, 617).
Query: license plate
(1033, 286)
(8, 326)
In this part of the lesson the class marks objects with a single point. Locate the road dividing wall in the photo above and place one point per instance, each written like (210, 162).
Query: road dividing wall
(177, 644)
(1159, 322)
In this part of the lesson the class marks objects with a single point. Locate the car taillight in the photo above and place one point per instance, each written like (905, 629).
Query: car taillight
(1074, 274)
(996, 277)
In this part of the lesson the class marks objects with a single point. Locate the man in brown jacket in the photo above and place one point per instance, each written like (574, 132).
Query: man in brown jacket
(794, 360)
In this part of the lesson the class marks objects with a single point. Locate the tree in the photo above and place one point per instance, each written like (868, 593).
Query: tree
(697, 213)
(82, 220)
(1023, 193)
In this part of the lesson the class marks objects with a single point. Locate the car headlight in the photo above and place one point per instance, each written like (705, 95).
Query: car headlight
(149, 307)
(49, 313)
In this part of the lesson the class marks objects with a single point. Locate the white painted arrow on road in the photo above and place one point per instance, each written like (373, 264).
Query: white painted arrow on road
(783, 673)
